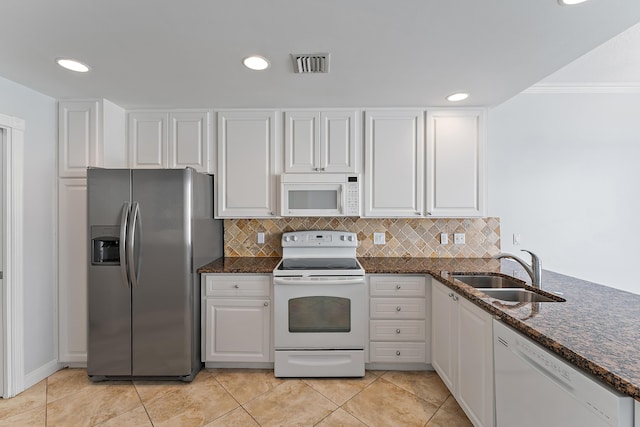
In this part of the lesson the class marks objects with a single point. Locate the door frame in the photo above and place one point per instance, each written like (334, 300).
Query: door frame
(12, 333)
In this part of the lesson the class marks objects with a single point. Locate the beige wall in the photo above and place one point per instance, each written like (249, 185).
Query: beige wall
(404, 237)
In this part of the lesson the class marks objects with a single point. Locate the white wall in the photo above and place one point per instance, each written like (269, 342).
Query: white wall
(39, 113)
(564, 173)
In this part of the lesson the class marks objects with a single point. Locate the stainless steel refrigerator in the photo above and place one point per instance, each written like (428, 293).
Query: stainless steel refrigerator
(149, 230)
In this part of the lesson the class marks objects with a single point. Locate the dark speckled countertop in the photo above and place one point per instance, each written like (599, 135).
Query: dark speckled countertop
(596, 329)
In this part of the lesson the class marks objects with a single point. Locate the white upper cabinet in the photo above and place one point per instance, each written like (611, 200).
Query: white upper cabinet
(325, 141)
(90, 133)
(247, 164)
(171, 139)
(394, 163)
(456, 163)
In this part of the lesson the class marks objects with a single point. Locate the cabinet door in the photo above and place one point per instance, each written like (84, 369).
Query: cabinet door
(190, 140)
(394, 164)
(78, 139)
(443, 312)
(148, 142)
(247, 164)
(455, 163)
(338, 142)
(238, 330)
(475, 363)
(301, 141)
(72, 270)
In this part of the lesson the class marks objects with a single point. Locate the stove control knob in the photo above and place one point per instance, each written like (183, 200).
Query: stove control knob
(294, 238)
(286, 238)
(351, 238)
(343, 237)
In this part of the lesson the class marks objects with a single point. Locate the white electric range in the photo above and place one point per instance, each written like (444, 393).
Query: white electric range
(320, 306)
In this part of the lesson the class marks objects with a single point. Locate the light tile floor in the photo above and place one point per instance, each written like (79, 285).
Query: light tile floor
(237, 397)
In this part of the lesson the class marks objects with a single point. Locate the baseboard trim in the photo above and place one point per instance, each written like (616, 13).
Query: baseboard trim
(34, 377)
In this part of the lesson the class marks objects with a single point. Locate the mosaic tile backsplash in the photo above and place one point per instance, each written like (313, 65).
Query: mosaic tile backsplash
(404, 237)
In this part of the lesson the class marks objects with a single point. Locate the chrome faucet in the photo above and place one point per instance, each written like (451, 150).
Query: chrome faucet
(534, 271)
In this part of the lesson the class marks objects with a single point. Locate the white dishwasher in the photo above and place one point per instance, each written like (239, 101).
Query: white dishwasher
(536, 388)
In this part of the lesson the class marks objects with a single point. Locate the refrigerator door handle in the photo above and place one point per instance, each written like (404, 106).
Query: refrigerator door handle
(124, 220)
(131, 244)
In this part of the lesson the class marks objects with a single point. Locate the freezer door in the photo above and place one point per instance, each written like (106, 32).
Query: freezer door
(163, 300)
(109, 294)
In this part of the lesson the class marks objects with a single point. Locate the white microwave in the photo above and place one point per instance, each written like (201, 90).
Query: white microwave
(321, 194)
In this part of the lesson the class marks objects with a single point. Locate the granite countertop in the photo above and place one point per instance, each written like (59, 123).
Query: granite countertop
(596, 329)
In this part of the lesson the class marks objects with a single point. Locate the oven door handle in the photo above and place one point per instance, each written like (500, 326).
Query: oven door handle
(317, 280)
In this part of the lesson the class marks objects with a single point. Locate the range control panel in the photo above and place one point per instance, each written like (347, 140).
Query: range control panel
(319, 238)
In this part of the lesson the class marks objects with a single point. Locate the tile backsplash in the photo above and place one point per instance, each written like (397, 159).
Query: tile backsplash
(404, 237)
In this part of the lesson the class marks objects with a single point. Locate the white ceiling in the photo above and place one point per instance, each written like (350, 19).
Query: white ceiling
(187, 53)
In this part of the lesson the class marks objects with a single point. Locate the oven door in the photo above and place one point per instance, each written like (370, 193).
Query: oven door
(319, 312)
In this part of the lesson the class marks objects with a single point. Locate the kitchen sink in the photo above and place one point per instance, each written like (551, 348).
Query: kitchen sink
(516, 295)
(488, 281)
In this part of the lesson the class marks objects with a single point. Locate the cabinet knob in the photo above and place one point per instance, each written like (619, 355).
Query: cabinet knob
(429, 213)
(418, 213)
(272, 213)
(455, 297)
(236, 286)
(398, 287)
(451, 295)
(398, 308)
(266, 304)
(398, 353)
(322, 169)
(397, 331)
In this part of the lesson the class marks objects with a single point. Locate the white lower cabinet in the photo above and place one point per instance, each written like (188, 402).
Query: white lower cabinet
(462, 343)
(637, 413)
(236, 318)
(398, 319)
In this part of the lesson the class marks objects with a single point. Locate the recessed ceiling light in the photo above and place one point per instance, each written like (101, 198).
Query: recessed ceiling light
(255, 62)
(73, 65)
(570, 2)
(455, 97)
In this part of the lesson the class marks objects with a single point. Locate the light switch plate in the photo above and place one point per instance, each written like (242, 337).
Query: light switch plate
(379, 239)
(458, 238)
(444, 238)
(260, 238)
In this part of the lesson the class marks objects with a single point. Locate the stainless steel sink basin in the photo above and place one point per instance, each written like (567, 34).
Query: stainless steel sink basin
(488, 281)
(516, 295)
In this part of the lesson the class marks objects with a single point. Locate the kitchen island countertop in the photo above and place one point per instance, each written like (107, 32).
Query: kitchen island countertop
(596, 329)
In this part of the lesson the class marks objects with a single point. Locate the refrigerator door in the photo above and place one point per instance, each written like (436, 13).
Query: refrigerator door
(109, 294)
(163, 298)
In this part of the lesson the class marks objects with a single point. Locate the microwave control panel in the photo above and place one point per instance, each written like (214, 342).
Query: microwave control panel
(352, 207)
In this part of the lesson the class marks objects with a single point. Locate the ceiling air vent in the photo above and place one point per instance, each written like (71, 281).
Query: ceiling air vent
(311, 63)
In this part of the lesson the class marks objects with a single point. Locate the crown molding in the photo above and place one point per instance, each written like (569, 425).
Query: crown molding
(585, 88)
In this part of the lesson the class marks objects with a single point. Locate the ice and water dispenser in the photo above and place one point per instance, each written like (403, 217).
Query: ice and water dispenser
(105, 245)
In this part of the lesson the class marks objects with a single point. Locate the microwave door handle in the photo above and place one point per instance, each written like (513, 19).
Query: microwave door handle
(124, 220)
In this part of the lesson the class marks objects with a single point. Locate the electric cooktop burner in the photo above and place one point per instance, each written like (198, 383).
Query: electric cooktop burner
(319, 264)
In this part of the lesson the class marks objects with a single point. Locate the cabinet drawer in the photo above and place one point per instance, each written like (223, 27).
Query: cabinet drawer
(399, 352)
(397, 330)
(237, 286)
(397, 308)
(397, 286)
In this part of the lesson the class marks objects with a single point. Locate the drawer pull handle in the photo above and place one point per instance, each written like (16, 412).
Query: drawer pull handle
(398, 287)
(236, 286)
(266, 304)
(398, 308)
(397, 331)
(451, 295)
(398, 353)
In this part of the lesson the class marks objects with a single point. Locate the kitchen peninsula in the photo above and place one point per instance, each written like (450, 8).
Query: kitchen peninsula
(593, 329)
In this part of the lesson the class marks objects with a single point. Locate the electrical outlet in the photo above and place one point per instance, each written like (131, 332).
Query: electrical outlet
(260, 238)
(458, 238)
(379, 239)
(444, 238)
(516, 238)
